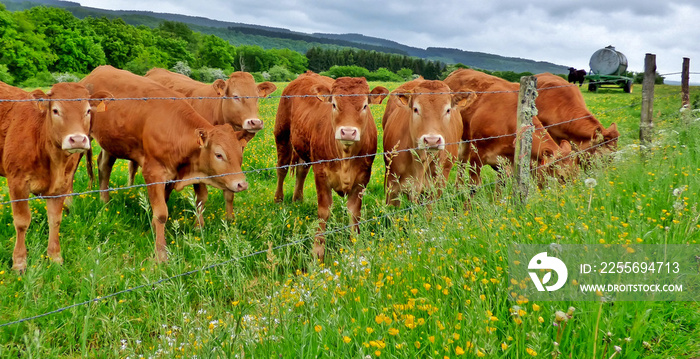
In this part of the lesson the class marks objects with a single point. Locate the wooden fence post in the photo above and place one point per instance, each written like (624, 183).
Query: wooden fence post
(523, 138)
(646, 125)
(685, 89)
(685, 82)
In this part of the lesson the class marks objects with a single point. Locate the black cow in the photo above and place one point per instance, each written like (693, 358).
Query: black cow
(576, 76)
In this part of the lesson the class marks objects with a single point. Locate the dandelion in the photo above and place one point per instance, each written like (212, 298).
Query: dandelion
(531, 351)
(459, 350)
(590, 183)
(318, 328)
(393, 331)
(346, 339)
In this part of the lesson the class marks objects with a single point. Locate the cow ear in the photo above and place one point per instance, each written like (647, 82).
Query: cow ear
(266, 88)
(464, 99)
(243, 137)
(611, 132)
(378, 95)
(40, 95)
(219, 86)
(404, 98)
(97, 101)
(202, 137)
(565, 147)
(322, 93)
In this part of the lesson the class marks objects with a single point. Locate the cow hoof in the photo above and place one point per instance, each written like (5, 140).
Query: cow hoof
(20, 267)
(104, 196)
(161, 257)
(319, 252)
(278, 199)
(56, 258)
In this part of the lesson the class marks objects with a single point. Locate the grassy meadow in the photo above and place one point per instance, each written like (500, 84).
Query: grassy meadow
(416, 282)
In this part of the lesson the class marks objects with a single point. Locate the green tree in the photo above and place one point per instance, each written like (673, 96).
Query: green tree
(216, 52)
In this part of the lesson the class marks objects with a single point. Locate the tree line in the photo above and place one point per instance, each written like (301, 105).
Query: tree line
(42, 44)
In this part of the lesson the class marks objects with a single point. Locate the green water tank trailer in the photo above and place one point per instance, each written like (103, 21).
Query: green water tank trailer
(607, 69)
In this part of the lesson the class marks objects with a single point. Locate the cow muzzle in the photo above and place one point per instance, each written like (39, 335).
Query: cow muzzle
(253, 125)
(75, 143)
(238, 186)
(347, 135)
(431, 142)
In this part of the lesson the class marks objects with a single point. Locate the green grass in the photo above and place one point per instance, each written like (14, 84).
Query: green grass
(418, 283)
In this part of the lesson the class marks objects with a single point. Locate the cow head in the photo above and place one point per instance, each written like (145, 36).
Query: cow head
(560, 164)
(605, 141)
(68, 109)
(221, 155)
(240, 108)
(349, 99)
(434, 111)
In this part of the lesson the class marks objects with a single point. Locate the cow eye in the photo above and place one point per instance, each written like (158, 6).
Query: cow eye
(365, 107)
(415, 110)
(219, 156)
(449, 110)
(89, 111)
(334, 106)
(55, 111)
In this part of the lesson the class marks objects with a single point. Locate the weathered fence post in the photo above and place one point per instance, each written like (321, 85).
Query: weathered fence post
(685, 88)
(646, 125)
(523, 138)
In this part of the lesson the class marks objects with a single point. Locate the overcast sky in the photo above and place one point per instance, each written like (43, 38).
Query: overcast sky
(564, 32)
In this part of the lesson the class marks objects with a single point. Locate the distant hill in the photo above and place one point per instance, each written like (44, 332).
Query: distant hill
(273, 37)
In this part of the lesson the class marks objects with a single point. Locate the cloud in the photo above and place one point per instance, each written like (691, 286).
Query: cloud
(565, 32)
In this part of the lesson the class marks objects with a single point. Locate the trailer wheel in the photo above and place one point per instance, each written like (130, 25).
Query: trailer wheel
(592, 87)
(628, 86)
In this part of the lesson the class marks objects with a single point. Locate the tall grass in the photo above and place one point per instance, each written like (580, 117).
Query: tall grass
(416, 282)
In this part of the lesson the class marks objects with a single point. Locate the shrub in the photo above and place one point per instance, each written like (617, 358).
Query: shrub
(350, 71)
(280, 74)
(208, 74)
(42, 79)
(65, 77)
(383, 74)
(259, 77)
(5, 75)
(181, 67)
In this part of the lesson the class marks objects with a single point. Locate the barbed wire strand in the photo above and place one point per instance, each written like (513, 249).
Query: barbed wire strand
(195, 179)
(300, 241)
(336, 230)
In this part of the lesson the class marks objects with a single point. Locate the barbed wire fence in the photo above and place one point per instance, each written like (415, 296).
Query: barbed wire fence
(375, 219)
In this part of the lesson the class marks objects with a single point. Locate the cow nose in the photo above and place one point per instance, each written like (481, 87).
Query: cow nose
(253, 124)
(432, 141)
(348, 134)
(239, 186)
(75, 142)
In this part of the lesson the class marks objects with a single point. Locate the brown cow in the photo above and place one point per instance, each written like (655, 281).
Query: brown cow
(493, 114)
(40, 146)
(332, 122)
(239, 109)
(167, 138)
(421, 115)
(562, 109)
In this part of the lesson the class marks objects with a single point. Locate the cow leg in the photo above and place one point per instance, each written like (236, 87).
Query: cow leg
(302, 172)
(325, 201)
(201, 194)
(105, 162)
(284, 158)
(355, 206)
(133, 168)
(54, 212)
(228, 197)
(156, 196)
(21, 216)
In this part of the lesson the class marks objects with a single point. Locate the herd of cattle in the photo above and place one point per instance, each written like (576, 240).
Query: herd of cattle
(195, 133)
